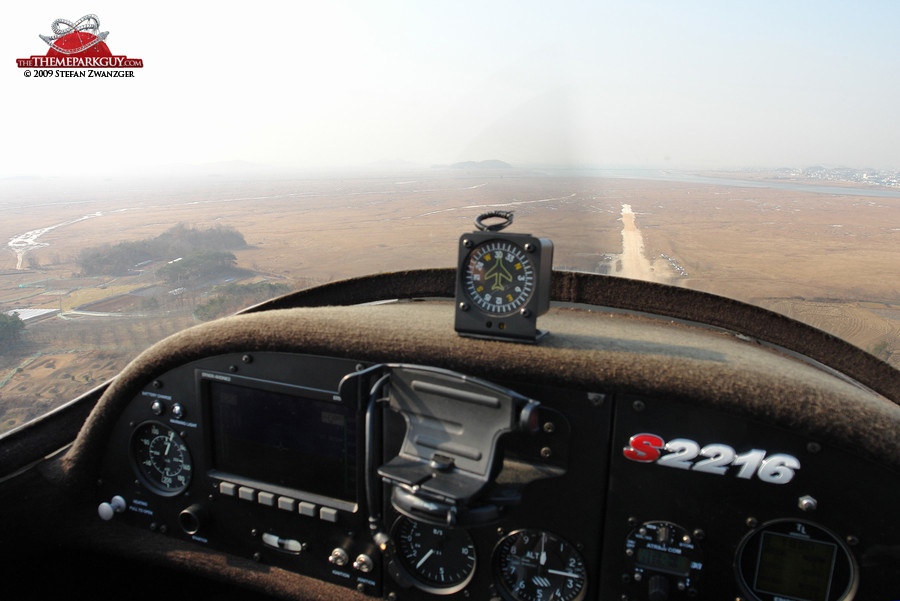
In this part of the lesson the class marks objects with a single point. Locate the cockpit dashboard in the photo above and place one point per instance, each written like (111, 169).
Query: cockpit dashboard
(367, 451)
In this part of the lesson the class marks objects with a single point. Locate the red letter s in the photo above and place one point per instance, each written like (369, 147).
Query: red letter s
(644, 448)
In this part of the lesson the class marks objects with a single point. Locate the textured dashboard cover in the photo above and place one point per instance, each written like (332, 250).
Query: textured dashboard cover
(634, 295)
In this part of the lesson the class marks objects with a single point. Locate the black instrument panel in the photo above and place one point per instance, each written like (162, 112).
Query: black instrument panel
(264, 456)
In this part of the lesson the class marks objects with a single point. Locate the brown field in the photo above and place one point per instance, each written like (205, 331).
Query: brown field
(832, 261)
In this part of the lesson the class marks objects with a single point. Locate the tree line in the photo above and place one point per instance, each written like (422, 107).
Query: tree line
(178, 241)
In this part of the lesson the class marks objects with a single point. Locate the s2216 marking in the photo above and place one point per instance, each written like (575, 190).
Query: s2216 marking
(681, 453)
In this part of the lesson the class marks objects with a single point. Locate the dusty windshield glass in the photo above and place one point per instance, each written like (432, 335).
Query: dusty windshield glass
(744, 150)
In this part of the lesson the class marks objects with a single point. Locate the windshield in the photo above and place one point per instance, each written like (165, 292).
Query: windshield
(748, 150)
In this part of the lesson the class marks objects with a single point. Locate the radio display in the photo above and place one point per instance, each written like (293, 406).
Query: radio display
(284, 437)
(662, 561)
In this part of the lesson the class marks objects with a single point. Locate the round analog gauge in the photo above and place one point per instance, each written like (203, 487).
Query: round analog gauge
(533, 565)
(439, 560)
(161, 458)
(499, 277)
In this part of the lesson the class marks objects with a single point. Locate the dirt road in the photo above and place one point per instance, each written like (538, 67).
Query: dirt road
(634, 264)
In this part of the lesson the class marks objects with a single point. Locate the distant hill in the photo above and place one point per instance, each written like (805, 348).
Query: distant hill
(489, 164)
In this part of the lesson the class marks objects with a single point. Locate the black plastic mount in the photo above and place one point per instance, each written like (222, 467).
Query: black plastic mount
(449, 457)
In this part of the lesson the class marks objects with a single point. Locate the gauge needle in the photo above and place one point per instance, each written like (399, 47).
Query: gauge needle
(543, 553)
(424, 558)
(561, 573)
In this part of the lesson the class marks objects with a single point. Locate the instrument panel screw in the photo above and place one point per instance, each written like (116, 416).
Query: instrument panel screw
(852, 540)
(813, 447)
(392, 596)
(549, 427)
(752, 522)
(807, 503)
(529, 247)
(546, 452)
(257, 556)
(157, 384)
(247, 358)
(524, 312)
(463, 307)
(638, 406)
(233, 368)
(699, 534)
(467, 243)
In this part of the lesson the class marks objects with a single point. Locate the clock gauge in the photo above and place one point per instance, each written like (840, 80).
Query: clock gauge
(502, 283)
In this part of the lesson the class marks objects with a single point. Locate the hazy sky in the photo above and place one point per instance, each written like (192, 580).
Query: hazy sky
(313, 84)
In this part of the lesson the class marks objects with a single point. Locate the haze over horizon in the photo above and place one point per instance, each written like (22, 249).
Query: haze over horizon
(700, 85)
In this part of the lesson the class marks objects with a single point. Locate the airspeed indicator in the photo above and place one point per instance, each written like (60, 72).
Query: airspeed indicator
(161, 458)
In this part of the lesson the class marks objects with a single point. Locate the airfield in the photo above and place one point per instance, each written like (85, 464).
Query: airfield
(831, 260)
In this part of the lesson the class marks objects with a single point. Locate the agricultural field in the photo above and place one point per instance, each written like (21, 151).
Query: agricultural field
(830, 260)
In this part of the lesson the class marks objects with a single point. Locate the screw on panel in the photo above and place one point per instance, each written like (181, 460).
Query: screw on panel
(546, 452)
(638, 406)
(233, 368)
(157, 384)
(524, 312)
(807, 503)
(467, 243)
(529, 247)
(813, 447)
(549, 427)
(852, 540)
(247, 358)
(699, 534)
(752, 522)
(463, 307)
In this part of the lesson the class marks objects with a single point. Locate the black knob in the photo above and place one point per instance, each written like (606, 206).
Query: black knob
(658, 588)
(192, 518)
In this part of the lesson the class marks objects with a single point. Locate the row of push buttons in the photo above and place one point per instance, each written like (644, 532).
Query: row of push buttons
(245, 493)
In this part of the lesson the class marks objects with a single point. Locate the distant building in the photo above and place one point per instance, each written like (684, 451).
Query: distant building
(33, 315)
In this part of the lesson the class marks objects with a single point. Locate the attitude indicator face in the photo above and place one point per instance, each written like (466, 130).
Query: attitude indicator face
(499, 277)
